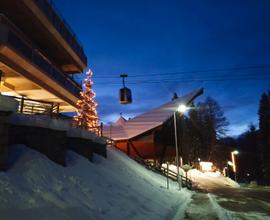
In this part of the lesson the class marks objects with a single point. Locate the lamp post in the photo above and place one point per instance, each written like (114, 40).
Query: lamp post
(181, 108)
(233, 153)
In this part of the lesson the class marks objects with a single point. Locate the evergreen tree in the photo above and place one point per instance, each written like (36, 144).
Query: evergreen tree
(249, 158)
(206, 123)
(87, 117)
(264, 130)
(213, 126)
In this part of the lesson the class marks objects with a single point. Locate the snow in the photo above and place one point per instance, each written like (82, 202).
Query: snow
(147, 120)
(205, 180)
(44, 121)
(113, 188)
(211, 179)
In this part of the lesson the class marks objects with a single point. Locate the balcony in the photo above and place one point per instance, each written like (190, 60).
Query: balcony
(69, 84)
(61, 25)
(43, 26)
(12, 36)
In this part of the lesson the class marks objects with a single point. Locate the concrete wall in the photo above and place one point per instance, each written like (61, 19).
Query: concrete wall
(53, 143)
(4, 137)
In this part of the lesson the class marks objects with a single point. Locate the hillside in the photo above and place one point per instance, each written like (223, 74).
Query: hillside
(113, 188)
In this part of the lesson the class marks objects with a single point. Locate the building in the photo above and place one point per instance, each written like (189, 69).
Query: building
(39, 53)
(151, 134)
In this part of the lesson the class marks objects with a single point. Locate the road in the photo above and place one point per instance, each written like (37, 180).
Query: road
(245, 203)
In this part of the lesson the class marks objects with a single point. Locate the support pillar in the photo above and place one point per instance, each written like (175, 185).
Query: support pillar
(4, 132)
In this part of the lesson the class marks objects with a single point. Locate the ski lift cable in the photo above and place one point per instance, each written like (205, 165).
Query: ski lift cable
(189, 72)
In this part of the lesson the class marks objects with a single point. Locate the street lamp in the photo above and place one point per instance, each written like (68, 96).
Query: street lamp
(233, 162)
(181, 108)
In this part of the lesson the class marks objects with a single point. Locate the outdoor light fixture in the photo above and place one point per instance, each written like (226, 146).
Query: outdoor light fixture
(233, 162)
(230, 163)
(235, 152)
(182, 108)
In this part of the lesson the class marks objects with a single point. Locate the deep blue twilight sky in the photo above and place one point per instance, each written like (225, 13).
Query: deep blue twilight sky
(155, 37)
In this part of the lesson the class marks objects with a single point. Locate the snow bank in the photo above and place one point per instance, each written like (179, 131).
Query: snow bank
(113, 188)
(79, 133)
(207, 179)
(211, 179)
(44, 121)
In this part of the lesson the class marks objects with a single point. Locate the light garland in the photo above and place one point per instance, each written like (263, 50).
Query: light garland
(87, 117)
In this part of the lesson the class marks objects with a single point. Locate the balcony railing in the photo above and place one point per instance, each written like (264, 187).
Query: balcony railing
(17, 40)
(43, 64)
(61, 26)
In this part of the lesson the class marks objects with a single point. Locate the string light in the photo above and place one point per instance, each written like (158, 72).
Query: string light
(87, 117)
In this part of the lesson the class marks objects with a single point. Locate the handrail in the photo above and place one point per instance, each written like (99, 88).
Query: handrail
(49, 9)
(163, 171)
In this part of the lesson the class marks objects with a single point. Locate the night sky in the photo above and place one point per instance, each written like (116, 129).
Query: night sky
(168, 46)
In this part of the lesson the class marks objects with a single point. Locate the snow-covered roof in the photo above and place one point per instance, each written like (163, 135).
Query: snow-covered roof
(120, 121)
(148, 120)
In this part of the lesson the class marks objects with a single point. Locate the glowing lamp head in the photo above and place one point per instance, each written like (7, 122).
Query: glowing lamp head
(182, 108)
(230, 163)
(235, 152)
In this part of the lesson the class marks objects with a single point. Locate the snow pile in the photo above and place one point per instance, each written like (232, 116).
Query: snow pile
(79, 133)
(209, 180)
(41, 121)
(113, 188)
(205, 180)
(44, 121)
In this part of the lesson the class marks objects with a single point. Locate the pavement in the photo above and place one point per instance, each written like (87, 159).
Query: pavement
(215, 202)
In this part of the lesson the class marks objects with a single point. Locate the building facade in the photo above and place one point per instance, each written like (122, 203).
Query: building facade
(39, 53)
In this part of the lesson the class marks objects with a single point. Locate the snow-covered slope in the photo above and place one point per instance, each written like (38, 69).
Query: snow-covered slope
(113, 188)
(206, 180)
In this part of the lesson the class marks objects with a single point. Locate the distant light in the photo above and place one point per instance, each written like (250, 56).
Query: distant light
(182, 108)
(235, 152)
(206, 166)
(199, 159)
(230, 163)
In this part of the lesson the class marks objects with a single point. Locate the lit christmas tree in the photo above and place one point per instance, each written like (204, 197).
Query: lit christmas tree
(87, 117)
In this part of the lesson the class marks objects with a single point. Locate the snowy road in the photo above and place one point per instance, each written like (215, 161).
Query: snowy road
(222, 198)
(244, 202)
(230, 203)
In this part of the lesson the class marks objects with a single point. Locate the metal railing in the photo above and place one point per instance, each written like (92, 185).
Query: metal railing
(31, 106)
(61, 26)
(34, 56)
(17, 40)
(186, 182)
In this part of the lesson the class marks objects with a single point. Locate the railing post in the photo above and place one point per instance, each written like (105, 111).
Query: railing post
(22, 104)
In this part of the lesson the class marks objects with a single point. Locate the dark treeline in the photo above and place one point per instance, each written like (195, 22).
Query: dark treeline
(204, 137)
(202, 129)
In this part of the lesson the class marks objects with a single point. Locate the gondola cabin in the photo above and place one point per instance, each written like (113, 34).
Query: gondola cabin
(125, 96)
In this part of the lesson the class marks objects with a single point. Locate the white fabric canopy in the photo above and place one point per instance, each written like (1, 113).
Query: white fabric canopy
(148, 120)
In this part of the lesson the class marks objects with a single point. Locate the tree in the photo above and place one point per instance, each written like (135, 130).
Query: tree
(204, 126)
(264, 133)
(249, 158)
(213, 126)
(87, 117)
